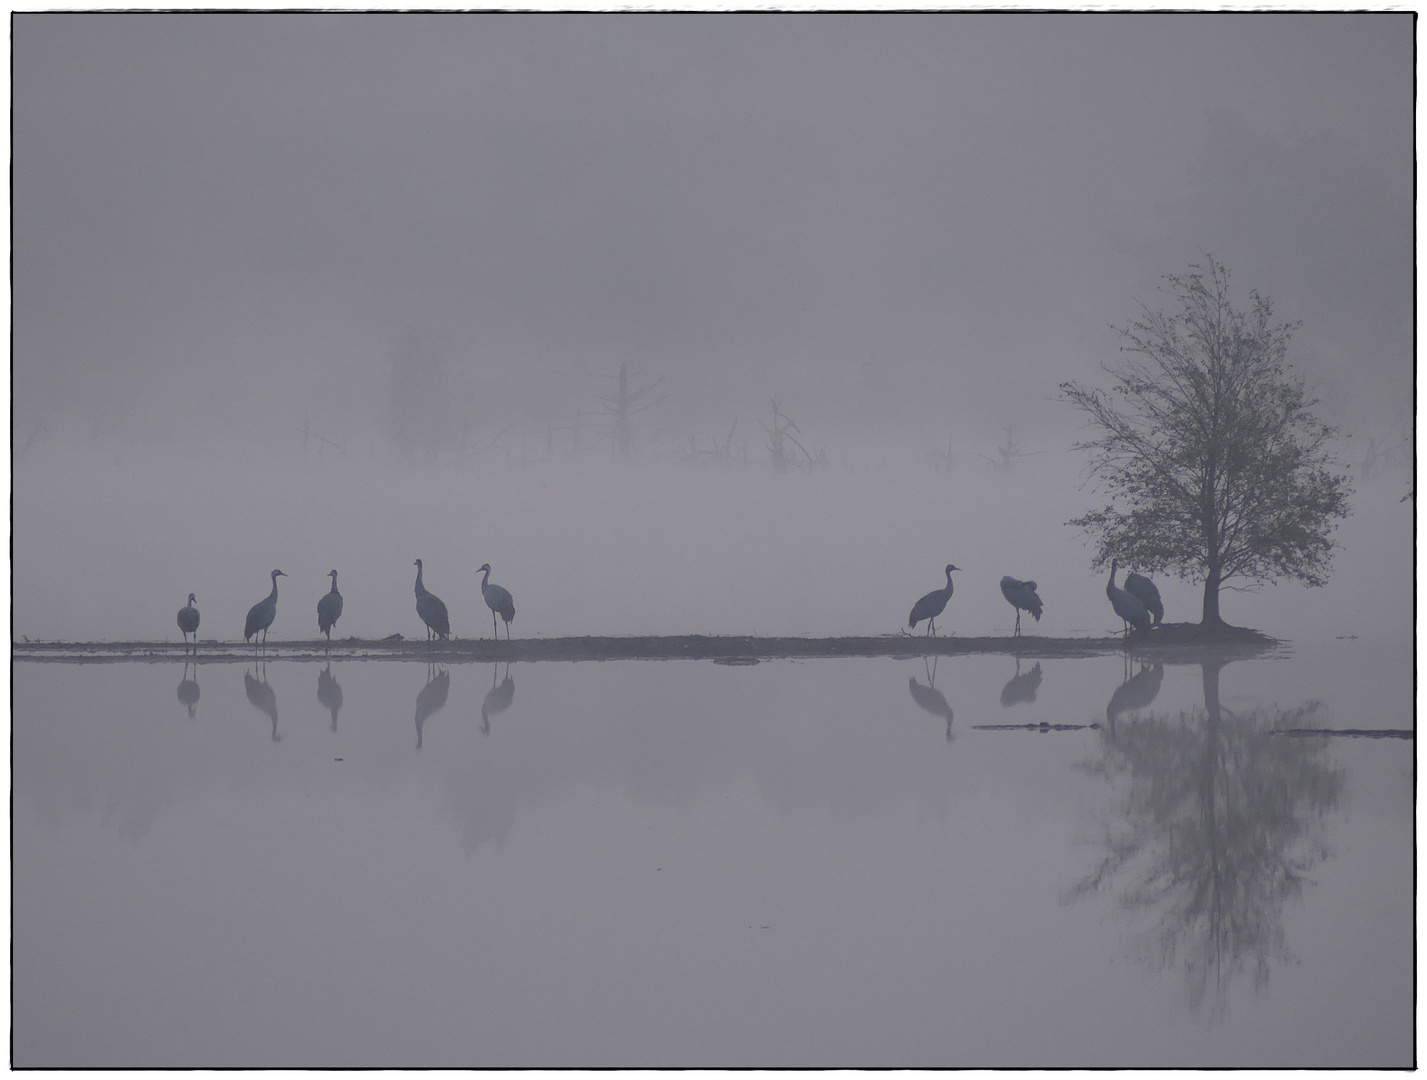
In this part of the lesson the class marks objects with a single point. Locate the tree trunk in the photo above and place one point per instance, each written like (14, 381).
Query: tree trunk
(1211, 599)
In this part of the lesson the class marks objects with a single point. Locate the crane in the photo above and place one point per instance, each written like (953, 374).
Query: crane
(1143, 589)
(431, 610)
(329, 608)
(498, 599)
(1128, 606)
(932, 604)
(1021, 595)
(262, 614)
(188, 623)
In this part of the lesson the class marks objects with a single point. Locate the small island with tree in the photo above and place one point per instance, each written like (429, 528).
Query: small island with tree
(1216, 467)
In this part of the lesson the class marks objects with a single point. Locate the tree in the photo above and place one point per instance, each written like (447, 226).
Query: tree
(1209, 448)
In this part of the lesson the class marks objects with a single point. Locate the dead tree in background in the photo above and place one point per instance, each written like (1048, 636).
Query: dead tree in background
(309, 434)
(623, 407)
(723, 452)
(781, 433)
(1010, 454)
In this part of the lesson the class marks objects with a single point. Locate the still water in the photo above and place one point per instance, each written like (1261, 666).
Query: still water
(854, 862)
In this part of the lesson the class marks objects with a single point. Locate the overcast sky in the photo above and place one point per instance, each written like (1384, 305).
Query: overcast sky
(225, 222)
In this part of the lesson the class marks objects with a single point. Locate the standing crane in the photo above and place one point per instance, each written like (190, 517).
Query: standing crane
(431, 610)
(498, 599)
(1143, 589)
(329, 608)
(1129, 607)
(188, 623)
(932, 604)
(1021, 595)
(262, 614)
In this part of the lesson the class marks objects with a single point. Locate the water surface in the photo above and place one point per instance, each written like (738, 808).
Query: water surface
(852, 862)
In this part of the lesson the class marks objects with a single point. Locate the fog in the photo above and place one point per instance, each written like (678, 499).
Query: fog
(321, 291)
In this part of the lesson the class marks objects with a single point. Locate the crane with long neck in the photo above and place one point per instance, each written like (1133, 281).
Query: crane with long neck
(932, 604)
(1128, 606)
(431, 609)
(499, 600)
(262, 614)
(329, 608)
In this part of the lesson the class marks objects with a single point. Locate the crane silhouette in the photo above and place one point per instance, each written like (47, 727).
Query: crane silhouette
(1128, 606)
(329, 608)
(431, 610)
(188, 623)
(498, 599)
(1143, 589)
(262, 614)
(1021, 595)
(932, 604)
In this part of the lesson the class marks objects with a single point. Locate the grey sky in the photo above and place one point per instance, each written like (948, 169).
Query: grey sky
(222, 222)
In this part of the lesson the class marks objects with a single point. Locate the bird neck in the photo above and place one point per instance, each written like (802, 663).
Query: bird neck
(273, 595)
(419, 588)
(485, 578)
(334, 583)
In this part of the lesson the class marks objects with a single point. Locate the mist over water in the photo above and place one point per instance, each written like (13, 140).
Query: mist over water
(108, 548)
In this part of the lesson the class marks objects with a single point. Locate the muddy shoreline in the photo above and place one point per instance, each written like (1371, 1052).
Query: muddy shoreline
(732, 649)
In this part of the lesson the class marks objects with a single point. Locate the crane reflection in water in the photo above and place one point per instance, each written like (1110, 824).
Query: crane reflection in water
(1020, 688)
(262, 697)
(497, 699)
(431, 698)
(929, 697)
(329, 691)
(188, 689)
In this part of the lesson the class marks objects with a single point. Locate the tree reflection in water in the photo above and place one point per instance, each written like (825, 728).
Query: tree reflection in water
(1216, 825)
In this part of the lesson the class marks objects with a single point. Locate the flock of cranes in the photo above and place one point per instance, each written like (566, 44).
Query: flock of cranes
(329, 609)
(1137, 604)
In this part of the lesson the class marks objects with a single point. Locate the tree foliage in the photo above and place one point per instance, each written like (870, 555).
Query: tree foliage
(1207, 444)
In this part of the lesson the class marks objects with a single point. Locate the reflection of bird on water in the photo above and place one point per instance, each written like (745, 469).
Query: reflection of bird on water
(188, 623)
(1021, 689)
(498, 599)
(262, 697)
(1135, 692)
(497, 699)
(932, 604)
(262, 614)
(329, 608)
(930, 698)
(188, 690)
(431, 699)
(329, 692)
(1143, 590)
(431, 610)
(1130, 608)
(1021, 595)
